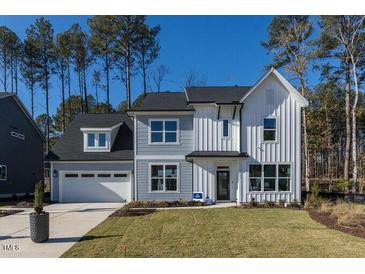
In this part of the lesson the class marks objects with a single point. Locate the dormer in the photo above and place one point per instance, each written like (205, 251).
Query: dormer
(99, 139)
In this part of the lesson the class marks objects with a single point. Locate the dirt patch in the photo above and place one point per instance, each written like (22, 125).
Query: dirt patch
(4, 213)
(132, 212)
(331, 222)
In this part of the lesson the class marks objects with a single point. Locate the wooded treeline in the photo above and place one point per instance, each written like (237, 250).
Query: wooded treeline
(334, 123)
(126, 44)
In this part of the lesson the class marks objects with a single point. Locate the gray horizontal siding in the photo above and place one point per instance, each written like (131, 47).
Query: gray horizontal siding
(185, 135)
(143, 183)
(84, 166)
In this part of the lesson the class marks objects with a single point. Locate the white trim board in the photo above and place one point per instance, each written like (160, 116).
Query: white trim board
(160, 157)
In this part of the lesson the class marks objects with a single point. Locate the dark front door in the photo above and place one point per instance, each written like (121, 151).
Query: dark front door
(223, 185)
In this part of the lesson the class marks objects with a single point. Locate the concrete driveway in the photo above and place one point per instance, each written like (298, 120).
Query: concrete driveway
(68, 223)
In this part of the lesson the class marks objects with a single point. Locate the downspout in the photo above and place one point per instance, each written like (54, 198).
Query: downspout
(240, 128)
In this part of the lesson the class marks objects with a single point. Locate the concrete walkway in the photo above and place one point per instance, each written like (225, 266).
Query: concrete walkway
(68, 223)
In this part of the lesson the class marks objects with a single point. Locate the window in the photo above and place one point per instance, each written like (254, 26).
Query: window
(104, 175)
(225, 128)
(164, 178)
(120, 175)
(96, 141)
(71, 175)
(91, 139)
(284, 177)
(269, 177)
(163, 131)
(255, 177)
(87, 175)
(17, 135)
(3, 173)
(102, 140)
(270, 129)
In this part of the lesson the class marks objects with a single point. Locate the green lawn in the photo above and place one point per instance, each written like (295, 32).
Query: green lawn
(226, 232)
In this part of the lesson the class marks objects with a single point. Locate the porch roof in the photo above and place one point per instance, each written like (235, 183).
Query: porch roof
(215, 154)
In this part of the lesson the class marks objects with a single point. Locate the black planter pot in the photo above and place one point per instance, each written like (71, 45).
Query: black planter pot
(39, 226)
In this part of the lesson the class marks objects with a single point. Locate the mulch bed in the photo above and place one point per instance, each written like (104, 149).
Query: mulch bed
(247, 205)
(132, 212)
(164, 204)
(331, 222)
(4, 213)
(23, 202)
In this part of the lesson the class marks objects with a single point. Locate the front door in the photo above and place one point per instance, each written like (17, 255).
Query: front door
(223, 185)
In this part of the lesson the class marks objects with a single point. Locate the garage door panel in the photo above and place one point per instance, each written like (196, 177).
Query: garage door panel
(95, 189)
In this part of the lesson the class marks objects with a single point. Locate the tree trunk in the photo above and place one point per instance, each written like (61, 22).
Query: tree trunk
(16, 75)
(305, 137)
(5, 72)
(107, 81)
(128, 80)
(47, 107)
(69, 90)
(12, 75)
(144, 76)
(32, 97)
(354, 141)
(85, 91)
(348, 126)
(63, 99)
(81, 93)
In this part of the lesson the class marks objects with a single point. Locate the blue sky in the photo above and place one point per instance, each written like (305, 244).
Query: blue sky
(225, 50)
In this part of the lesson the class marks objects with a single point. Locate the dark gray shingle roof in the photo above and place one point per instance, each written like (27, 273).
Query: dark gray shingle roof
(164, 101)
(4, 94)
(218, 95)
(70, 146)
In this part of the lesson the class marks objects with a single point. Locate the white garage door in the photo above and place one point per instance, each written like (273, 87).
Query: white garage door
(94, 186)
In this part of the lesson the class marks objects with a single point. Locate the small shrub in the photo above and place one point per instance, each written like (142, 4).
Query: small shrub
(348, 214)
(253, 203)
(294, 204)
(38, 197)
(308, 203)
(325, 206)
(269, 204)
(341, 185)
(315, 189)
(282, 202)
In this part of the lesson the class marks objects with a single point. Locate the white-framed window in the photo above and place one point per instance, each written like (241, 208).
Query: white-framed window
(164, 177)
(270, 177)
(3, 173)
(270, 129)
(163, 131)
(96, 141)
(225, 128)
(17, 135)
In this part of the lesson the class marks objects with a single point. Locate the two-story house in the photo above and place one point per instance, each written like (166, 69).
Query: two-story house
(229, 143)
(21, 148)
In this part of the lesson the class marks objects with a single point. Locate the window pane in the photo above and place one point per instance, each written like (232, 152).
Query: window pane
(69, 175)
(120, 175)
(171, 125)
(269, 170)
(91, 140)
(156, 125)
(171, 184)
(225, 128)
(2, 172)
(156, 171)
(102, 140)
(284, 170)
(170, 137)
(157, 184)
(269, 184)
(270, 123)
(255, 171)
(284, 184)
(171, 171)
(86, 175)
(255, 184)
(269, 135)
(104, 175)
(156, 137)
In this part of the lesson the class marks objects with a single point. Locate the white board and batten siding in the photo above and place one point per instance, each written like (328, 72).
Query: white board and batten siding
(208, 128)
(271, 99)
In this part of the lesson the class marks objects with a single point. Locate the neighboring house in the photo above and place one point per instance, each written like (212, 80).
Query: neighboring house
(230, 143)
(21, 148)
(93, 160)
